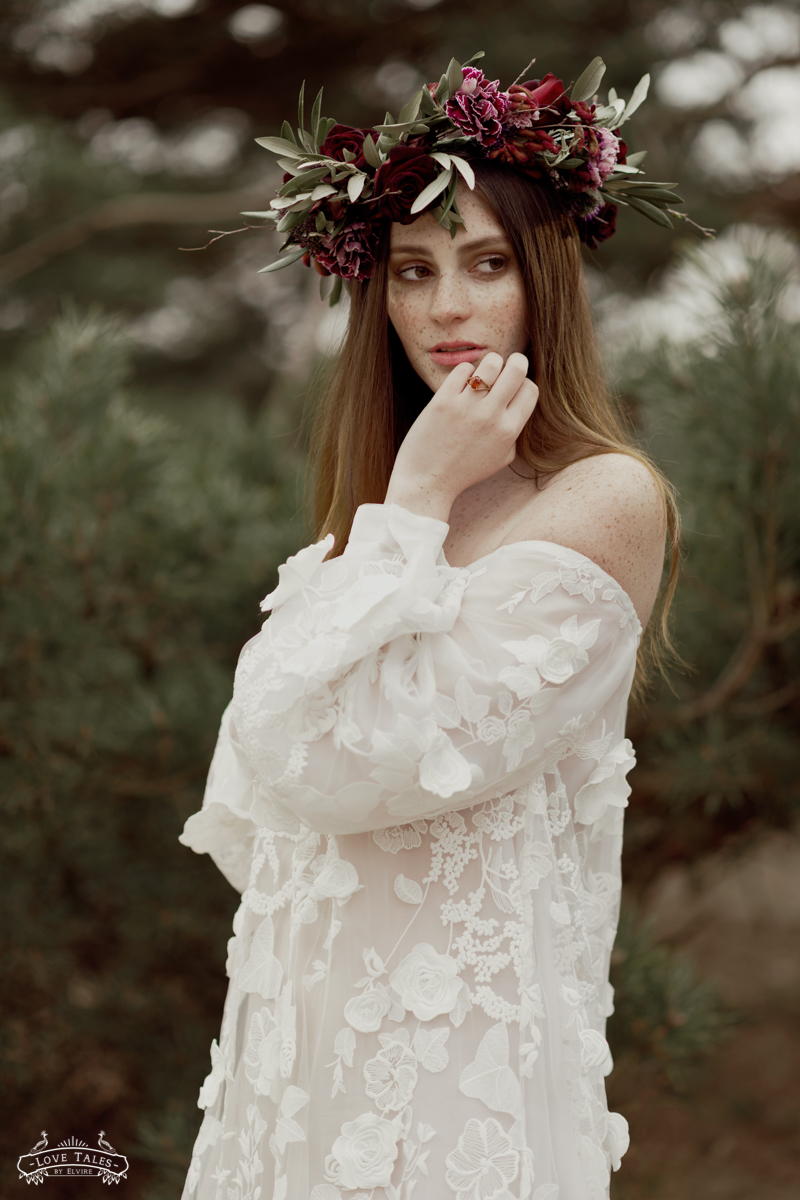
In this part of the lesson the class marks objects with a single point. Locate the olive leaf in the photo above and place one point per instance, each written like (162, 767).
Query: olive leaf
(649, 210)
(432, 191)
(370, 151)
(279, 146)
(455, 76)
(639, 95)
(315, 115)
(589, 81)
(286, 261)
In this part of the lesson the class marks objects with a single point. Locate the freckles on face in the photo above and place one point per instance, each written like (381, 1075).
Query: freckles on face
(453, 300)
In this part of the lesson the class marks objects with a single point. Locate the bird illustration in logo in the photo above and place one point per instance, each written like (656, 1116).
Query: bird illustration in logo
(40, 1145)
(103, 1144)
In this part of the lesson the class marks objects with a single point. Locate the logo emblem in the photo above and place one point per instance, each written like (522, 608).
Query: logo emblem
(72, 1157)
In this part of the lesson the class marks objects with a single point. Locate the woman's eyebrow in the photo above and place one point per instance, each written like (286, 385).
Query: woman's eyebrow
(466, 247)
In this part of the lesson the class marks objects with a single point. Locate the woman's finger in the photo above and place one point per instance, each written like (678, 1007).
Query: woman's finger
(486, 373)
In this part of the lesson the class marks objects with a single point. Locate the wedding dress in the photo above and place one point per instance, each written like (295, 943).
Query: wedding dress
(418, 789)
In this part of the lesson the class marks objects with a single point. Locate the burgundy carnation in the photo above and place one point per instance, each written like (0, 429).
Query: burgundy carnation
(478, 107)
(345, 137)
(349, 253)
(399, 181)
(597, 228)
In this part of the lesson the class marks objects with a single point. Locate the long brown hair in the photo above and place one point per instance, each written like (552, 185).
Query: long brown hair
(373, 395)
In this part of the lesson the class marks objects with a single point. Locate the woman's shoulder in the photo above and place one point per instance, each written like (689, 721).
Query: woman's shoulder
(610, 508)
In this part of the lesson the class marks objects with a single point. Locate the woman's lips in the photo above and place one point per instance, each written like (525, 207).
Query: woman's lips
(449, 355)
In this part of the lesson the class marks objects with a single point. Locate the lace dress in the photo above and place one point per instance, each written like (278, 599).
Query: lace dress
(418, 789)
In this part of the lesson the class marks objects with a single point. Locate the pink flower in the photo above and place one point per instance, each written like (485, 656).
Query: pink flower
(603, 148)
(349, 253)
(478, 107)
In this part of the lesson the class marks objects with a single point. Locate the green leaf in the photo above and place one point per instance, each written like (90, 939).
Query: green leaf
(287, 133)
(325, 126)
(649, 210)
(336, 291)
(455, 76)
(465, 170)
(315, 115)
(355, 186)
(409, 111)
(301, 111)
(427, 106)
(449, 200)
(589, 81)
(280, 146)
(291, 220)
(639, 95)
(634, 160)
(442, 91)
(397, 127)
(303, 180)
(320, 222)
(432, 191)
(286, 261)
(268, 214)
(371, 152)
(471, 61)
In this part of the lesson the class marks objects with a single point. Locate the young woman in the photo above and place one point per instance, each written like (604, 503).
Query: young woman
(420, 782)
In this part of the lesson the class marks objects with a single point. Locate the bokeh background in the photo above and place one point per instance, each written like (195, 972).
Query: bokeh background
(154, 404)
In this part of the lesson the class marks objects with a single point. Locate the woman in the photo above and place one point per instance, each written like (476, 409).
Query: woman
(419, 784)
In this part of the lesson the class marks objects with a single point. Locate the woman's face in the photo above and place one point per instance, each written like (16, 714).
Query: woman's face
(453, 300)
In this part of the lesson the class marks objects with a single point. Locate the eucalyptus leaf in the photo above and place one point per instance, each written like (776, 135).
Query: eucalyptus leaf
(432, 191)
(279, 146)
(455, 76)
(649, 210)
(639, 95)
(589, 81)
(286, 261)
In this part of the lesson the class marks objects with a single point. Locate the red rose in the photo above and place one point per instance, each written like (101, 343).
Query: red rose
(345, 137)
(399, 181)
(542, 93)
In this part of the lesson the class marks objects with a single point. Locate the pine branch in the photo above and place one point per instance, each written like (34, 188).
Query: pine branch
(142, 208)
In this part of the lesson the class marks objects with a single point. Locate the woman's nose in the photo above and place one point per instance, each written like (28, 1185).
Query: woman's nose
(450, 298)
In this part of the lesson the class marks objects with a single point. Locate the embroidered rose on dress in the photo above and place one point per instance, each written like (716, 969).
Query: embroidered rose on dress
(485, 1162)
(606, 785)
(271, 1046)
(427, 983)
(550, 660)
(335, 880)
(364, 1154)
(366, 1012)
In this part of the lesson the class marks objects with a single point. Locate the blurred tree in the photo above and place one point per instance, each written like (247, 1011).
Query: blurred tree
(718, 399)
(133, 556)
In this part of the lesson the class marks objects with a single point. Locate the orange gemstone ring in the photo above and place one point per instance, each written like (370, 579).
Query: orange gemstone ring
(477, 384)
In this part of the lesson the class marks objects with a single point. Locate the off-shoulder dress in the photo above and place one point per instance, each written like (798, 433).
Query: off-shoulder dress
(419, 789)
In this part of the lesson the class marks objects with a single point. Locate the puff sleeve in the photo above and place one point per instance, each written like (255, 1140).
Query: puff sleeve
(388, 687)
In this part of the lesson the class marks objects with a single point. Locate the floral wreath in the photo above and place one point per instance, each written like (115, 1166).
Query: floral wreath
(341, 183)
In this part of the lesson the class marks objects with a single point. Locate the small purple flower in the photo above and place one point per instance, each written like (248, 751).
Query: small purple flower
(349, 253)
(478, 107)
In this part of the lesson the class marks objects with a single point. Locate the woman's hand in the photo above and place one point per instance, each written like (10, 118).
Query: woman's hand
(462, 436)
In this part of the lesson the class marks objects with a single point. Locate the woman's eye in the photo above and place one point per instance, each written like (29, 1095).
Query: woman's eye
(416, 271)
(490, 266)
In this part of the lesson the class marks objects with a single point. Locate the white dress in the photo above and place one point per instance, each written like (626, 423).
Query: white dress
(419, 789)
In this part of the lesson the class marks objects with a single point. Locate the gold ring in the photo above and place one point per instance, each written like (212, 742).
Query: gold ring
(477, 384)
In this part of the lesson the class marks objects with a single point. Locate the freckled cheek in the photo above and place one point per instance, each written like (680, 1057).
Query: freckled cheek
(408, 321)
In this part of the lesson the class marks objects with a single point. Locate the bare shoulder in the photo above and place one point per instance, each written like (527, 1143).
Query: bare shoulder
(610, 508)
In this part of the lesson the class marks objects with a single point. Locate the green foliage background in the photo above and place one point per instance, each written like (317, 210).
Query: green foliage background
(150, 485)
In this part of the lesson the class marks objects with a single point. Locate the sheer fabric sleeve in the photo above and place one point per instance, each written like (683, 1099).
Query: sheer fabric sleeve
(388, 687)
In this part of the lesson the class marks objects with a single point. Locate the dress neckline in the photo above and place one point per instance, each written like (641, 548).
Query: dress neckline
(556, 550)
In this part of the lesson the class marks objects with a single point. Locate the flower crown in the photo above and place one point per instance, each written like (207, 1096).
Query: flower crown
(341, 182)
